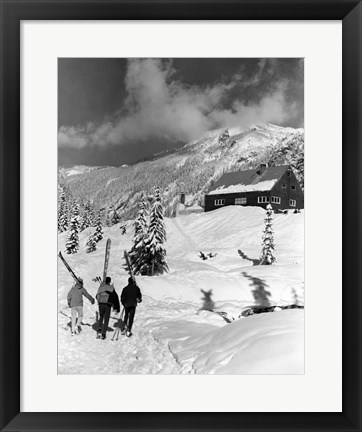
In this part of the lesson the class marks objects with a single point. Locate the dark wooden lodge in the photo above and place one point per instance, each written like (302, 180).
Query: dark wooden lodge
(257, 187)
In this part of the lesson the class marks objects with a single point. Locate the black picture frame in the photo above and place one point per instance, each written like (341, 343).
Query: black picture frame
(12, 12)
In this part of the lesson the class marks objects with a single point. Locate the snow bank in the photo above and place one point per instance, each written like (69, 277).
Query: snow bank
(271, 343)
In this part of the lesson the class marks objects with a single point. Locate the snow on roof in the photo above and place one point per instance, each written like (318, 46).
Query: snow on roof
(247, 181)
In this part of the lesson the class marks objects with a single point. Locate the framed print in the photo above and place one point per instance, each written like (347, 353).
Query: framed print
(180, 215)
(164, 210)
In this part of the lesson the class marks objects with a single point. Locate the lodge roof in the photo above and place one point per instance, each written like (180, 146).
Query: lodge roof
(258, 179)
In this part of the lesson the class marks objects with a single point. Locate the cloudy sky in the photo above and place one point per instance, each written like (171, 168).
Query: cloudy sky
(117, 111)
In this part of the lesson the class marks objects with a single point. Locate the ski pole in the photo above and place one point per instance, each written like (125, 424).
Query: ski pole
(116, 333)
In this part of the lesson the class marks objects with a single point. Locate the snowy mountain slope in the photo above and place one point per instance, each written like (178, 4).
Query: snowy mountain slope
(76, 170)
(191, 169)
(171, 316)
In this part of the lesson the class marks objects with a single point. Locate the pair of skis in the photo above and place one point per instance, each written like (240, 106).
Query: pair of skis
(130, 270)
(74, 276)
(106, 259)
(105, 267)
(106, 263)
(116, 333)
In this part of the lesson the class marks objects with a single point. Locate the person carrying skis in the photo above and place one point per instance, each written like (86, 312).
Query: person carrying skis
(75, 302)
(107, 298)
(131, 295)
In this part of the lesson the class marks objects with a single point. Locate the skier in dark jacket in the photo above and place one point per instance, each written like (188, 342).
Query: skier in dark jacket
(107, 298)
(130, 297)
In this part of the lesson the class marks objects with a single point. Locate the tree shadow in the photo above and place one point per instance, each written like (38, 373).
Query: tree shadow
(209, 305)
(208, 302)
(296, 298)
(259, 292)
(245, 257)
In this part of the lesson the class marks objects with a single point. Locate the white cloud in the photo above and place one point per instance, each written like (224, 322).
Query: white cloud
(159, 106)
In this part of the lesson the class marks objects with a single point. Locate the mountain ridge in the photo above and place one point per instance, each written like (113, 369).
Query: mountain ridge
(191, 169)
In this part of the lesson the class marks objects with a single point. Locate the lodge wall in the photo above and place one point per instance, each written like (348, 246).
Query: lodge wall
(282, 189)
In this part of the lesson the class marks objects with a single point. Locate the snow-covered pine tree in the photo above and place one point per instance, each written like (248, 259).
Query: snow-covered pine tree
(80, 204)
(267, 254)
(87, 216)
(156, 237)
(115, 218)
(109, 217)
(76, 210)
(98, 235)
(91, 244)
(72, 245)
(72, 205)
(138, 254)
(62, 211)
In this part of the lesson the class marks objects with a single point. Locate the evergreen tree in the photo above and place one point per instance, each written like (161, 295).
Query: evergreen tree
(109, 217)
(299, 167)
(87, 219)
(62, 211)
(72, 245)
(138, 254)
(72, 206)
(156, 238)
(81, 205)
(98, 235)
(76, 210)
(115, 218)
(91, 244)
(267, 253)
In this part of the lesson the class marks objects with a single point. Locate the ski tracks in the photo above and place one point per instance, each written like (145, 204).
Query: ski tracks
(142, 353)
(187, 237)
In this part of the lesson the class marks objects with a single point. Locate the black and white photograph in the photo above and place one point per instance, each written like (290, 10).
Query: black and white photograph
(180, 216)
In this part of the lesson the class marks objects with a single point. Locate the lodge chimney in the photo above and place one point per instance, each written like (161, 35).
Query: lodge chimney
(262, 168)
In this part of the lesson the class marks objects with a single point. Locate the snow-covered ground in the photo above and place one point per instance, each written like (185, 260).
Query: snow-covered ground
(173, 333)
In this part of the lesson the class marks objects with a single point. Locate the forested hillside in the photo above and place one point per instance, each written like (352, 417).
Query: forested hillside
(191, 169)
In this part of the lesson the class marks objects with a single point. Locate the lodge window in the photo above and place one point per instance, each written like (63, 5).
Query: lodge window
(284, 185)
(263, 199)
(293, 187)
(240, 200)
(275, 200)
(219, 202)
(292, 203)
